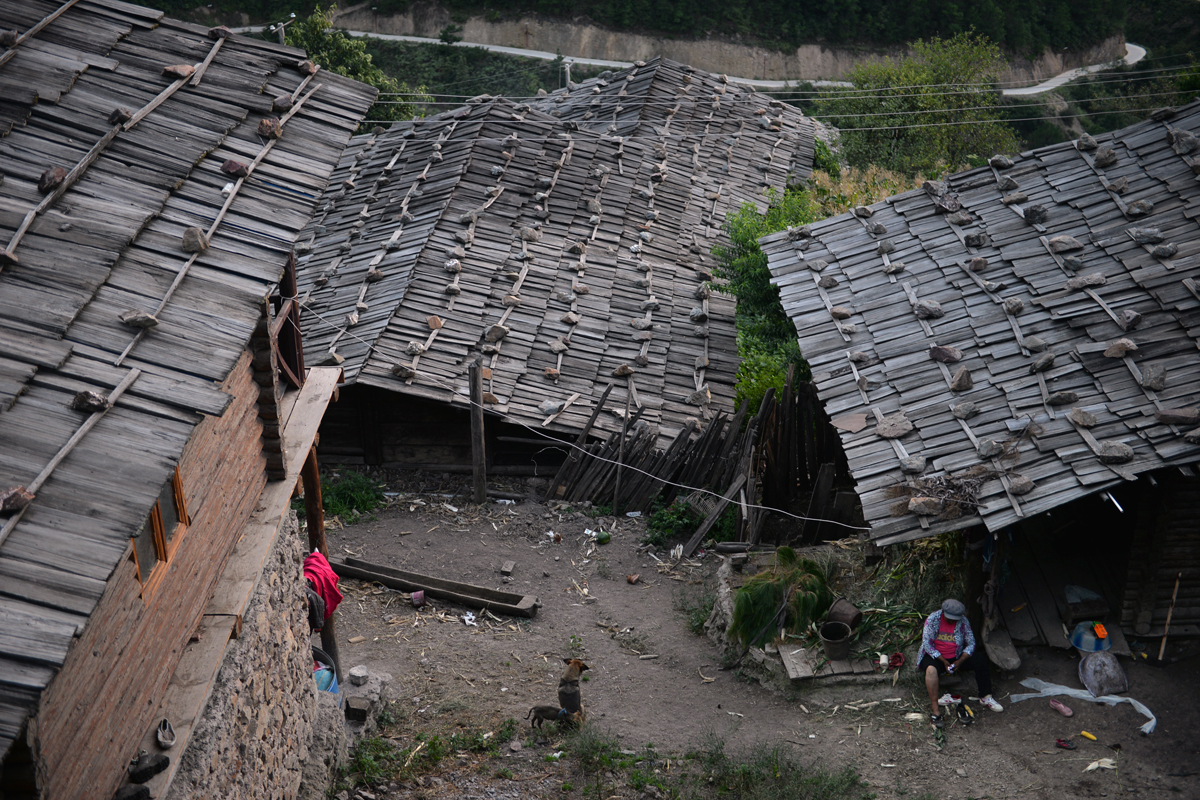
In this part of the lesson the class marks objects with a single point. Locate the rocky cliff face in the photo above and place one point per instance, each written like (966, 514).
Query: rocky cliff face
(808, 62)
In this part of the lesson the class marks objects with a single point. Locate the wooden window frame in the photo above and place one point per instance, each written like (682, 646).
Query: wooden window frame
(164, 548)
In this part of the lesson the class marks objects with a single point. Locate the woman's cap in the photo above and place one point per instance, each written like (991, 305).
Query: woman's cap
(953, 609)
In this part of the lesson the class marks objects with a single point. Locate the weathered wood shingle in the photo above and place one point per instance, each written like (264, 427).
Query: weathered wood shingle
(1051, 261)
(74, 261)
(566, 243)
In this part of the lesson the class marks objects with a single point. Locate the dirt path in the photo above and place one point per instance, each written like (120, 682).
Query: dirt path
(653, 681)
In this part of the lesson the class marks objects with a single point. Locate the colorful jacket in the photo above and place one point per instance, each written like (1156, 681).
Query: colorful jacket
(963, 637)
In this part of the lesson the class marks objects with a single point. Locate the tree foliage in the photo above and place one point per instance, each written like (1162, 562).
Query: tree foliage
(767, 343)
(931, 112)
(337, 52)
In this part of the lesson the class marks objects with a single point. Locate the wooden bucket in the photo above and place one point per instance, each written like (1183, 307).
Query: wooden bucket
(843, 610)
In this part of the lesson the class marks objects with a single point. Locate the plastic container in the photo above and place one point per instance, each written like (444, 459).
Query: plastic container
(325, 672)
(836, 638)
(1085, 640)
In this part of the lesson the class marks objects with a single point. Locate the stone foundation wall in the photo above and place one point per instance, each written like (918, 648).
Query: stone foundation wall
(765, 667)
(254, 737)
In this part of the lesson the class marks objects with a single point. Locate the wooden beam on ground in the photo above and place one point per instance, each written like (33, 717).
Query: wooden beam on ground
(465, 594)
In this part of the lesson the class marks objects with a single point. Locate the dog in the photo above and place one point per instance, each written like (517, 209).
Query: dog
(542, 714)
(568, 687)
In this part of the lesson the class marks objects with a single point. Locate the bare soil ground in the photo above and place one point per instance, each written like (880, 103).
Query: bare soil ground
(653, 683)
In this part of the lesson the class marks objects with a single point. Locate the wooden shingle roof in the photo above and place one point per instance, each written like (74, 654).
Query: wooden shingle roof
(105, 162)
(584, 247)
(731, 142)
(1033, 324)
(492, 230)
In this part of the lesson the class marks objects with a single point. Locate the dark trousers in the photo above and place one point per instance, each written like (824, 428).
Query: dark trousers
(977, 662)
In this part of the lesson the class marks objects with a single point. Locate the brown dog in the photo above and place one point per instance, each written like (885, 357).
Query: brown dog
(568, 687)
(543, 714)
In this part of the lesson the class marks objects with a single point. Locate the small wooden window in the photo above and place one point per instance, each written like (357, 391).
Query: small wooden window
(155, 543)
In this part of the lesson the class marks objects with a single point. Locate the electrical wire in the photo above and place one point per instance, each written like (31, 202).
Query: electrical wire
(852, 93)
(559, 443)
(775, 136)
(918, 112)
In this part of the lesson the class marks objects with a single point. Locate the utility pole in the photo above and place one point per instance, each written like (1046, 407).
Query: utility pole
(279, 27)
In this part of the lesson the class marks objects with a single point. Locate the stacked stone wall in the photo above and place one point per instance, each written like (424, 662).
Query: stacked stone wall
(255, 734)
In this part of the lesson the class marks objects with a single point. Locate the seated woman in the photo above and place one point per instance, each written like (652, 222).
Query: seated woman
(947, 647)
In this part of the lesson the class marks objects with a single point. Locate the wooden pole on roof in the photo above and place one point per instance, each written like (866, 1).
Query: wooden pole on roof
(478, 459)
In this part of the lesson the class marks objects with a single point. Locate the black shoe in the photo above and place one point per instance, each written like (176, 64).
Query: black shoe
(146, 766)
(966, 714)
(938, 720)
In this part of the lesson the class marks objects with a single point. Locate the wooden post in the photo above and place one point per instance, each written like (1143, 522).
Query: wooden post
(974, 540)
(478, 457)
(314, 513)
(621, 445)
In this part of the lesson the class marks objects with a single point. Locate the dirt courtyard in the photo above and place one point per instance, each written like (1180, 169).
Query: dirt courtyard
(652, 681)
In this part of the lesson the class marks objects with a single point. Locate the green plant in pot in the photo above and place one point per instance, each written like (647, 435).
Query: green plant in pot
(788, 595)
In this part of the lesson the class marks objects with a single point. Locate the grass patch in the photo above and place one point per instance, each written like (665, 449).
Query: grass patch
(349, 495)
(695, 606)
(679, 521)
(768, 773)
(706, 772)
(372, 760)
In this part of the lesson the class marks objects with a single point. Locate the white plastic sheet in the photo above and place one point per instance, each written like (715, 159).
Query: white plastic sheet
(1043, 689)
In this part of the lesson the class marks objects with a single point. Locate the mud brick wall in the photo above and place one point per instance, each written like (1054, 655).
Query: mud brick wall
(95, 712)
(254, 736)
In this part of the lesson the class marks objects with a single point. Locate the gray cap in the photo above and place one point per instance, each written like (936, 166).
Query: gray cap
(953, 609)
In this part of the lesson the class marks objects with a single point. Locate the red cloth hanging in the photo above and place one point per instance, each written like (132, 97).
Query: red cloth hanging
(324, 581)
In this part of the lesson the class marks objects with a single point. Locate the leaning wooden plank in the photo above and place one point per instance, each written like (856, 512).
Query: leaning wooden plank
(462, 593)
(579, 443)
(712, 518)
(188, 692)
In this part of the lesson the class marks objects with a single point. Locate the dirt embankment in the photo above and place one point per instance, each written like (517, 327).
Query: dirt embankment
(714, 53)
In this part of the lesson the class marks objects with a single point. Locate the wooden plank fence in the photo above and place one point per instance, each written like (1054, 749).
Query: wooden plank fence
(769, 461)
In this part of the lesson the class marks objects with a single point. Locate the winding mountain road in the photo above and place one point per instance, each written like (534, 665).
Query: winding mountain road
(1133, 54)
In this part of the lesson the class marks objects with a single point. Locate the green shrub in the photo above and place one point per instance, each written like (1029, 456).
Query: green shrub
(667, 523)
(350, 494)
(372, 760)
(793, 582)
